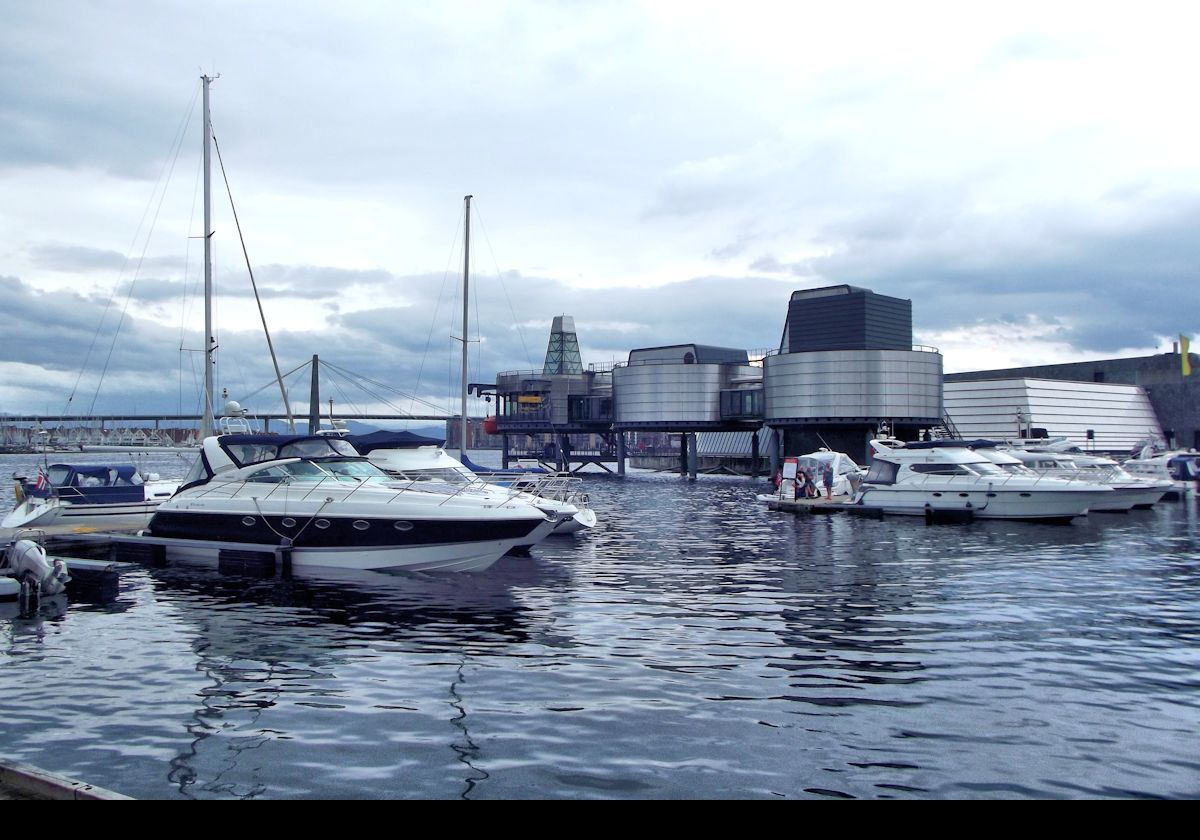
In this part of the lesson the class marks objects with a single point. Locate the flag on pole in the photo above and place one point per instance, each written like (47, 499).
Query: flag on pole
(41, 486)
(1184, 343)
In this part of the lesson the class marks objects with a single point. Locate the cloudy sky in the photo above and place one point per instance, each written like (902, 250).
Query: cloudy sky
(665, 172)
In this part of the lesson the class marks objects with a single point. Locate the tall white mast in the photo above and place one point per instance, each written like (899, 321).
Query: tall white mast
(462, 440)
(206, 420)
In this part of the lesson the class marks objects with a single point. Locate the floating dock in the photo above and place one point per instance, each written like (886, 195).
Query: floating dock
(838, 504)
(25, 782)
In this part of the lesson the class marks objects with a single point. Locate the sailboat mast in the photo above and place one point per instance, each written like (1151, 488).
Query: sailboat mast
(462, 440)
(206, 420)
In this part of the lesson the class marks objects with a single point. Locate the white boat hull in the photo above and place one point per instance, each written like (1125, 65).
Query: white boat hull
(39, 514)
(996, 504)
(584, 520)
(473, 557)
(1125, 498)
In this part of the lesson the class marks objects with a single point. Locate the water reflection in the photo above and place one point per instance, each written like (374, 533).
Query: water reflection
(270, 648)
(693, 645)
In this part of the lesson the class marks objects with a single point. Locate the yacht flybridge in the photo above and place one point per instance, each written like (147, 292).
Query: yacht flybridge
(935, 478)
(317, 498)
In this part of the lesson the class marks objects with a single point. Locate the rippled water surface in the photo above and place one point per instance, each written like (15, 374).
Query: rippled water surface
(694, 645)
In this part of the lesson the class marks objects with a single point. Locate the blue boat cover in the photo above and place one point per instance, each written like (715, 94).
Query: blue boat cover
(391, 440)
(98, 484)
(475, 468)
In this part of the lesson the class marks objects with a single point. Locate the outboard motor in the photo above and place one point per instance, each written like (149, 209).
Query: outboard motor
(27, 562)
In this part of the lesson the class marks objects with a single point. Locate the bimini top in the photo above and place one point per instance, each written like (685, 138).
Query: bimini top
(95, 483)
(95, 475)
(391, 440)
(221, 454)
(244, 450)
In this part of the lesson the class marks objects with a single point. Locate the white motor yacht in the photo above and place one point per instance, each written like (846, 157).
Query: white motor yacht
(939, 478)
(1052, 458)
(329, 507)
(1179, 468)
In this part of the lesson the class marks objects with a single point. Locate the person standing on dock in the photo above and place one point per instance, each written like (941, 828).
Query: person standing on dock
(827, 480)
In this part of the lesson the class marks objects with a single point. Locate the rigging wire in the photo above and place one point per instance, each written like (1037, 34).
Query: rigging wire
(291, 372)
(141, 259)
(187, 297)
(499, 276)
(437, 309)
(176, 144)
(262, 315)
(357, 378)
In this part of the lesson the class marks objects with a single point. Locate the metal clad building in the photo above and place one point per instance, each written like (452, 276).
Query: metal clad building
(676, 387)
(1119, 416)
(846, 318)
(853, 386)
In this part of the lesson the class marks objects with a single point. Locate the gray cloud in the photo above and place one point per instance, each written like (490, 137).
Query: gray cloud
(997, 176)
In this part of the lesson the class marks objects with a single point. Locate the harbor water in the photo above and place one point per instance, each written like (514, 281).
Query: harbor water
(694, 645)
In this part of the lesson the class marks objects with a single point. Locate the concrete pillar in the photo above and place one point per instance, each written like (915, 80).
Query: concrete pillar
(504, 451)
(754, 454)
(683, 454)
(693, 456)
(621, 454)
(775, 451)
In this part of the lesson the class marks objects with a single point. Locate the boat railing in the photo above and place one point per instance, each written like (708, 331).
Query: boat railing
(559, 488)
(324, 485)
(922, 479)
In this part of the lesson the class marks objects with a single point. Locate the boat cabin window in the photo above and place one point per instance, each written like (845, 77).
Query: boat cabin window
(58, 475)
(198, 472)
(287, 473)
(245, 454)
(326, 447)
(128, 479)
(942, 469)
(882, 472)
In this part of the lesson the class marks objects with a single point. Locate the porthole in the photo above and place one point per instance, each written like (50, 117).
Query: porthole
(964, 495)
(1026, 495)
(322, 524)
(939, 495)
(248, 521)
(361, 524)
(991, 495)
(288, 522)
(403, 526)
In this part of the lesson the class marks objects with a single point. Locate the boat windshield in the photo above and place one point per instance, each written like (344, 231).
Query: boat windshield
(257, 451)
(300, 471)
(288, 473)
(357, 469)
